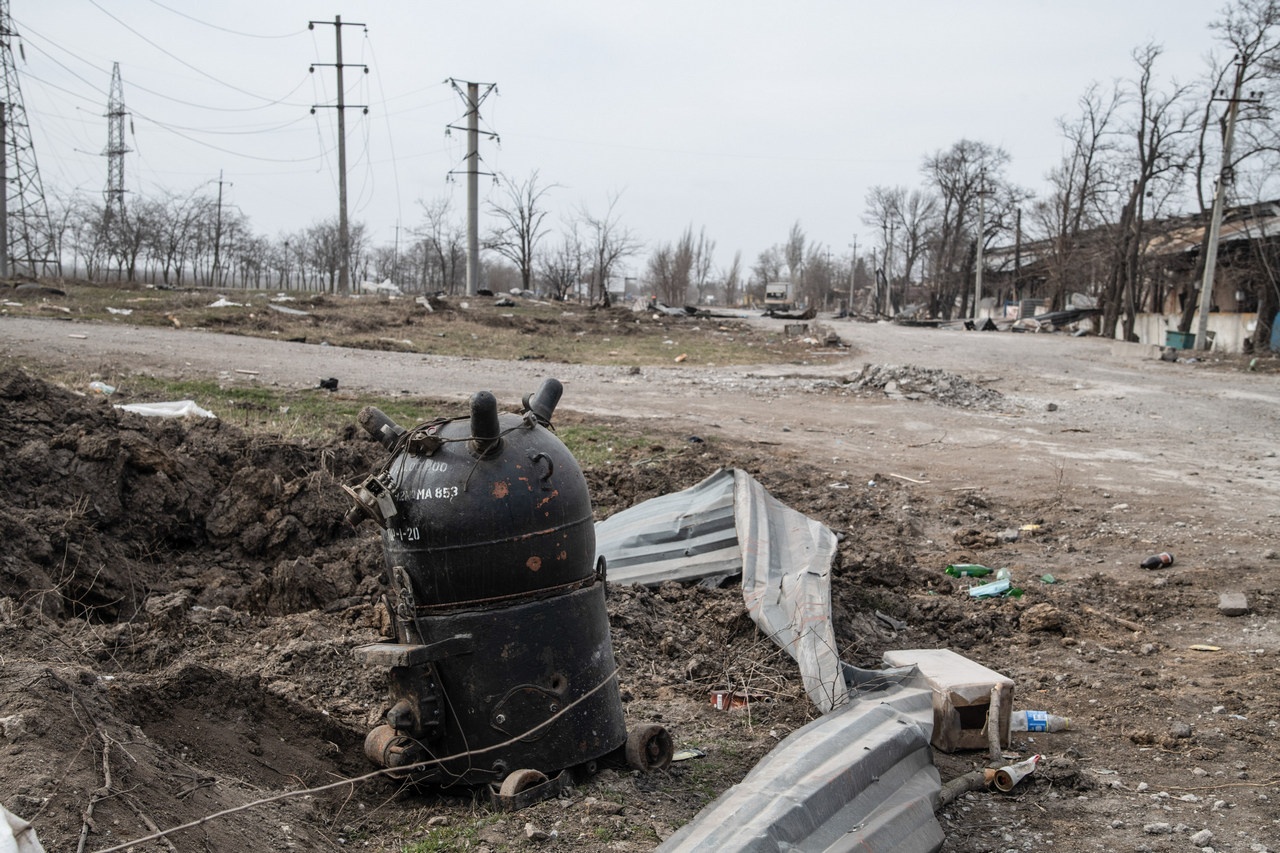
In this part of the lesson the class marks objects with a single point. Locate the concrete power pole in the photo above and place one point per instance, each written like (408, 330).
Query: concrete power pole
(853, 273)
(217, 232)
(344, 232)
(1219, 198)
(472, 98)
(977, 275)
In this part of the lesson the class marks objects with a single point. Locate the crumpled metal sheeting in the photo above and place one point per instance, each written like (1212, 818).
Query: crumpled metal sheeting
(858, 779)
(682, 536)
(786, 583)
(728, 524)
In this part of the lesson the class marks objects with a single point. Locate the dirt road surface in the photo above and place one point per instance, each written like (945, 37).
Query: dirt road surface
(896, 443)
(1190, 436)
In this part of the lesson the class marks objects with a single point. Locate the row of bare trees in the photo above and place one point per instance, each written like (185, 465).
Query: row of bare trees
(1137, 152)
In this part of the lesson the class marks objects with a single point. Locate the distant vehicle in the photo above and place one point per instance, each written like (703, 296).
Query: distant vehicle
(777, 296)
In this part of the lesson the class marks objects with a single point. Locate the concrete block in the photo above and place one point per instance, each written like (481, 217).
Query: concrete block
(1233, 604)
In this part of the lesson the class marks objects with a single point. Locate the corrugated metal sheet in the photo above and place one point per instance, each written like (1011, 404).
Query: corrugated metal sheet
(729, 524)
(858, 779)
(786, 584)
(683, 536)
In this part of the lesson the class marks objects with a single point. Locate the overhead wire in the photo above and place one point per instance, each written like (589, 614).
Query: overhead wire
(221, 28)
(395, 171)
(182, 61)
(364, 197)
(282, 100)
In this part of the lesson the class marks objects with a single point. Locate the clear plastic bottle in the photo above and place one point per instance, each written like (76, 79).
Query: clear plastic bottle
(1037, 721)
(101, 387)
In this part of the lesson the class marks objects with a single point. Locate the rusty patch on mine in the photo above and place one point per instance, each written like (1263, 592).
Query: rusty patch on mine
(500, 489)
(534, 563)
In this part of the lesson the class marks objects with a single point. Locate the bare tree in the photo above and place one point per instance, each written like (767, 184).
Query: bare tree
(561, 267)
(522, 215)
(660, 273)
(731, 280)
(443, 247)
(958, 176)
(609, 242)
(1154, 162)
(700, 272)
(768, 266)
(1250, 29)
(1081, 189)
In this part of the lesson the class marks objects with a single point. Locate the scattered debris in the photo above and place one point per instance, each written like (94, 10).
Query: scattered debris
(916, 383)
(895, 624)
(962, 696)
(175, 409)
(1007, 778)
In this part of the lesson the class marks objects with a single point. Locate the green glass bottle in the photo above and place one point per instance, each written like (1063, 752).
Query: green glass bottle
(967, 570)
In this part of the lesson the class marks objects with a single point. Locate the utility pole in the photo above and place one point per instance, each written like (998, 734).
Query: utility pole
(1017, 259)
(472, 98)
(217, 231)
(888, 269)
(982, 225)
(1219, 197)
(27, 236)
(853, 273)
(116, 148)
(344, 233)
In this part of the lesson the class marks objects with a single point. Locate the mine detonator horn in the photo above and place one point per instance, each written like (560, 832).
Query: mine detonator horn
(543, 402)
(375, 422)
(486, 431)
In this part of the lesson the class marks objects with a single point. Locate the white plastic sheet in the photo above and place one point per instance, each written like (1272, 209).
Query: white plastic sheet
(175, 409)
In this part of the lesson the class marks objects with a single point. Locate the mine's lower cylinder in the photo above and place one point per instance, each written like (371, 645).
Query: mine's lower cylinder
(537, 690)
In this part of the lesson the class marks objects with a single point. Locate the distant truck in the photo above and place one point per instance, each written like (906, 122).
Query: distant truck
(777, 296)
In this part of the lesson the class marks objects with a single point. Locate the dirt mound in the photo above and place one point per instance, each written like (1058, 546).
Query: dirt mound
(103, 508)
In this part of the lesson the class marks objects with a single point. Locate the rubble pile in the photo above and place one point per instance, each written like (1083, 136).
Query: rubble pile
(916, 383)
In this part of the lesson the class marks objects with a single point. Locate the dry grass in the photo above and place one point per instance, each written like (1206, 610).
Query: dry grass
(529, 330)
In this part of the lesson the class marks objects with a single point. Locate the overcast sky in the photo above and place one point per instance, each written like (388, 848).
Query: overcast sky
(741, 117)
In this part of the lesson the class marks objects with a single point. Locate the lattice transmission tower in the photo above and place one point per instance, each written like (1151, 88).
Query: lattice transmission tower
(116, 149)
(27, 229)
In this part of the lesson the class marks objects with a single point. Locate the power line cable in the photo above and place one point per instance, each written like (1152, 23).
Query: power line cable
(170, 129)
(395, 170)
(224, 29)
(282, 100)
(182, 61)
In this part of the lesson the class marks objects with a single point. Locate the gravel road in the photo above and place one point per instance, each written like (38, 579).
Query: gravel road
(1108, 414)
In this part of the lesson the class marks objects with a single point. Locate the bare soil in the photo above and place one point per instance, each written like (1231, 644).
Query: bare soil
(179, 600)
